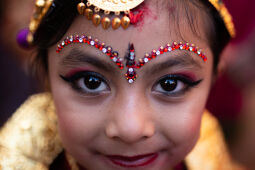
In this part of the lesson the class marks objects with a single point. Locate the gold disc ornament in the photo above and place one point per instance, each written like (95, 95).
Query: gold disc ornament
(93, 7)
(116, 5)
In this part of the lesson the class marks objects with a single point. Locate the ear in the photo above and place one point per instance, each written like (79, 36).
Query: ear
(225, 60)
(221, 68)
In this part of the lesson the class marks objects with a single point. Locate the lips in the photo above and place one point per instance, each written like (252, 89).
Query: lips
(133, 161)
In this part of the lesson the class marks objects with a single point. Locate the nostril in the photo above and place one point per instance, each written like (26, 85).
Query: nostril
(111, 131)
(129, 134)
(149, 130)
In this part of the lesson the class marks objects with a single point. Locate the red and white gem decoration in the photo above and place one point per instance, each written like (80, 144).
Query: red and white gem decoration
(131, 63)
(114, 55)
(169, 48)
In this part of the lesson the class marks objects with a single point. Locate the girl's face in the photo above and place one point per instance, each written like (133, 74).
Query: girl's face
(107, 123)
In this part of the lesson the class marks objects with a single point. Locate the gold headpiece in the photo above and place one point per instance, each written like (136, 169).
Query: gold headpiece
(227, 18)
(108, 6)
(41, 8)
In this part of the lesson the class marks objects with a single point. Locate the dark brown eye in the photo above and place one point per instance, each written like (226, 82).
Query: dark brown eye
(92, 82)
(174, 85)
(88, 82)
(168, 84)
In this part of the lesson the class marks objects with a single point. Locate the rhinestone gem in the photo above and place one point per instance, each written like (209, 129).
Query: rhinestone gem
(92, 43)
(104, 50)
(146, 60)
(80, 40)
(114, 59)
(169, 49)
(181, 47)
(131, 81)
(158, 52)
(132, 55)
(130, 69)
(63, 43)
(191, 48)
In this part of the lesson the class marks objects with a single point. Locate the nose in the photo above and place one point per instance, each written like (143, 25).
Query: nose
(130, 120)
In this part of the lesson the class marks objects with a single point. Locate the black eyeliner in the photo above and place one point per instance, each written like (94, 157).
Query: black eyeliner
(187, 81)
(74, 78)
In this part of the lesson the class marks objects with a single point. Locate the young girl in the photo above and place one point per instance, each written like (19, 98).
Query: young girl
(127, 85)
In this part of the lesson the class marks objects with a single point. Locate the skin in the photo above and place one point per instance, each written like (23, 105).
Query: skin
(137, 119)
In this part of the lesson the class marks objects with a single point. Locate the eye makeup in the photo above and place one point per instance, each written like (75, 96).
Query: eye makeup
(86, 82)
(175, 85)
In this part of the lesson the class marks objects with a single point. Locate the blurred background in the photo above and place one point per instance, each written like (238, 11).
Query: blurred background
(16, 85)
(232, 98)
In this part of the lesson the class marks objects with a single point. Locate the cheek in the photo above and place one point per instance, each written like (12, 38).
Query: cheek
(182, 128)
(78, 123)
(185, 130)
(76, 126)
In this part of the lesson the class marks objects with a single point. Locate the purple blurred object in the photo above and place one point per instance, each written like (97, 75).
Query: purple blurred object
(22, 38)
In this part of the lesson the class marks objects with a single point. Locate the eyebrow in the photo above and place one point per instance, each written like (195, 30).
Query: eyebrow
(181, 58)
(76, 57)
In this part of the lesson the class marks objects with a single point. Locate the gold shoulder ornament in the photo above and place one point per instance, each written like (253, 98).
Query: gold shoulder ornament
(29, 139)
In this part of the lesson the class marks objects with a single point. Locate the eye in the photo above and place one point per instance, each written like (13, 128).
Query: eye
(87, 82)
(168, 84)
(174, 84)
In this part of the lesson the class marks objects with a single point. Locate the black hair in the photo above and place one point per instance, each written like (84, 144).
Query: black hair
(63, 12)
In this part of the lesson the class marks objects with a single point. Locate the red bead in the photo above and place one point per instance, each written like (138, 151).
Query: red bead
(96, 43)
(153, 54)
(161, 49)
(101, 46)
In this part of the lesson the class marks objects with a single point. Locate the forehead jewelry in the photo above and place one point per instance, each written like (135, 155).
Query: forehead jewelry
(118, 7)
(25, 36)
(131, 63)
(113, 55)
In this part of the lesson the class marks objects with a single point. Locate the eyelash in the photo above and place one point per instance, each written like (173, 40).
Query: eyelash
(188, 83)
(73, 80)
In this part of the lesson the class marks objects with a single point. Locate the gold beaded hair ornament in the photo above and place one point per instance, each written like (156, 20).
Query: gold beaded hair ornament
(92, 9)
(118, 7)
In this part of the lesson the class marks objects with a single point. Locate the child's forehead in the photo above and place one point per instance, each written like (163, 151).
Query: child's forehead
(152, 34)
